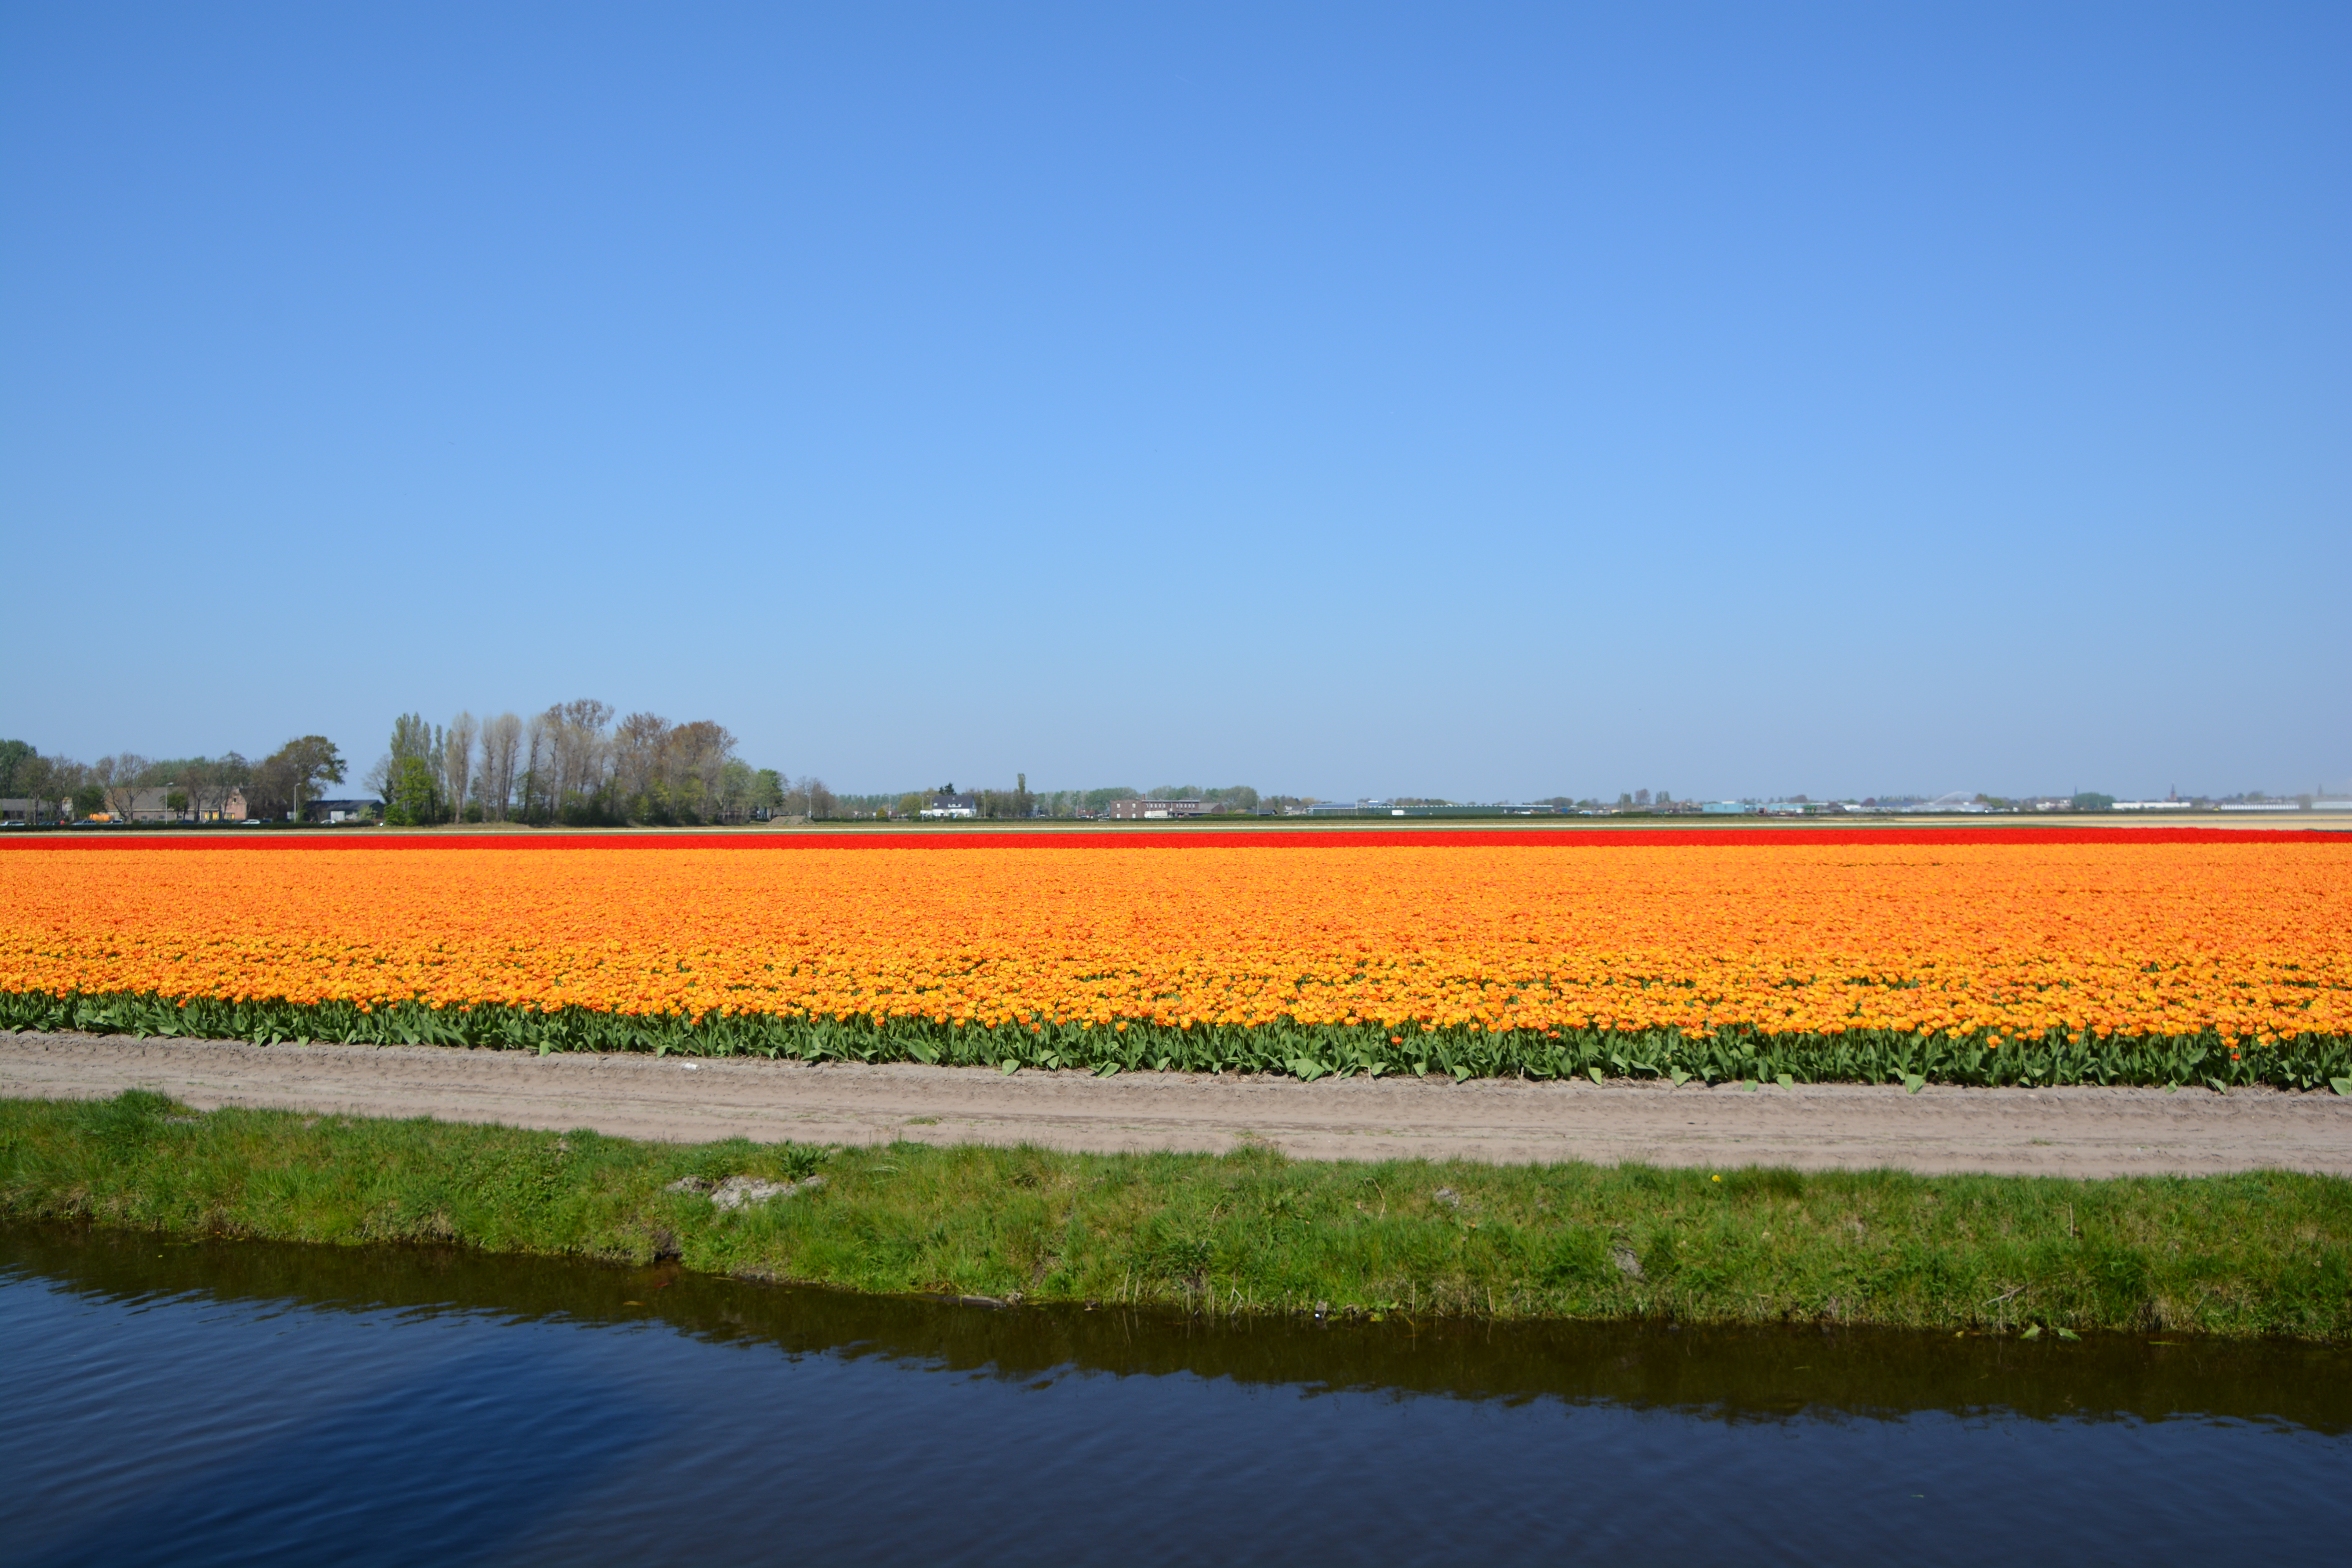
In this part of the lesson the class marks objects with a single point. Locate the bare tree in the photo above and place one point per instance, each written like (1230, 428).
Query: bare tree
(640, 743)
(808, 798)
(193, 778)
(121, 776)
(228, 775)
(565, 766)
(501, 743)
(67, 779)
(538, 731)
(49, 779)
(581, 751)
(457, 760)
(377, 780)
(694, 761)
(33, 777)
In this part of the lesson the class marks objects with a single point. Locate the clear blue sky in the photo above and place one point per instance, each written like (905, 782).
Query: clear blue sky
(1493, 401)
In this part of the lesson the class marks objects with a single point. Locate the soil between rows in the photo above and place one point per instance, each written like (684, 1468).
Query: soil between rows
(2069, 1131)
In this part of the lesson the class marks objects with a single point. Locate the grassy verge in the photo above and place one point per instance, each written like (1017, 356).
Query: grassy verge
(2305, 1061)
(1251, 1232)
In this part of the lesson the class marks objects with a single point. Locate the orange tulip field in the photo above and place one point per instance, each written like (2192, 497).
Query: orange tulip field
(1976, 961)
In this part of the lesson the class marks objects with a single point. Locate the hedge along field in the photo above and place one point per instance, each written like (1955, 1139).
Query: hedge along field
(2223, 959)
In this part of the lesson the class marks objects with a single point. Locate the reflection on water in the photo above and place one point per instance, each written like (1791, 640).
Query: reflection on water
(226, 1402)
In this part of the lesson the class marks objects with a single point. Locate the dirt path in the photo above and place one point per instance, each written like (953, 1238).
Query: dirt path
(2064, 1131)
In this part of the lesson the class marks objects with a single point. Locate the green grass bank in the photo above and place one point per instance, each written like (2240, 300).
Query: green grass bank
(1252, 1232)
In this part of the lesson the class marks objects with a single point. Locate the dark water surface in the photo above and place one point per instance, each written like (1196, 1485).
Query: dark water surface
(232, 1401)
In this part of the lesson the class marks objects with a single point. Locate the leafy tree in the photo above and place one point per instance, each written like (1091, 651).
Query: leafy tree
(305, 763)
(412, 737)
(412, 741)
(415, 794)
(13, 755)
(737, 785)
(1016, 802)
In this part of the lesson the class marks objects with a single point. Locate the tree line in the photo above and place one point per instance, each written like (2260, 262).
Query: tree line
(60, 789)
(575, 765)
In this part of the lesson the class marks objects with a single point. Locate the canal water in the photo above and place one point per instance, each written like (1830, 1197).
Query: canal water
(229, 1401)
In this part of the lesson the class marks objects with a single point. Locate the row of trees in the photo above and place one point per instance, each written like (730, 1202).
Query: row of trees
(574, 764)
(59, 789)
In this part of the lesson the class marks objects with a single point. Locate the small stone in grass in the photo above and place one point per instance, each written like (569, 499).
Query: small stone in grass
(736, 1191)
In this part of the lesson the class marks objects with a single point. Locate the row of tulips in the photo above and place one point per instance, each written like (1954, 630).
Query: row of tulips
(1737, 1056)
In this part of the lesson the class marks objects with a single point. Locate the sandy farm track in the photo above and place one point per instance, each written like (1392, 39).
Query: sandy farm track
(2056, 1131)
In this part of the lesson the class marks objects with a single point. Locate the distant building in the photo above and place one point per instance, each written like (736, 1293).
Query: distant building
(952, 806)
(1155, 810)
(339, 810)
(146, 806)
(1727, 808)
